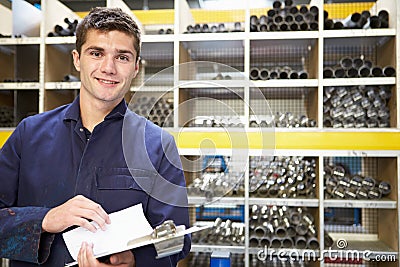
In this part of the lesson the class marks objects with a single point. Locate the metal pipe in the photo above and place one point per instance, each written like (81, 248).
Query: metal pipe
(351, 20)
(383, 14)
(265, 241)
(339, 72)
(385, 188)
(303, 74)
(254, 241)
(300, 242)
(339, 192)
(293, 75)
(362, 193)
(260, 231)
(328, 72)
(275, 242)
(312, 243)
(389, 71)
(368, 182)
(264, 74)
(374, 22)
(287, 243)
(313, 26)
(328, 24)
(301, 229)
(376, 71)
(262, 27)
(374, 193)
(346, 62)
(254, 73)
(351, 73)
(351, 193)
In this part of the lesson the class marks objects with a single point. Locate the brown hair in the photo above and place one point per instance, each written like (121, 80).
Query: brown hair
(108, 19)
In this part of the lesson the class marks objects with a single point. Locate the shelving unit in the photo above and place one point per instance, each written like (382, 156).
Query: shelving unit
(40, 63)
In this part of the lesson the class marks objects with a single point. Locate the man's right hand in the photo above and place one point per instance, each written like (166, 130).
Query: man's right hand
(78, 211)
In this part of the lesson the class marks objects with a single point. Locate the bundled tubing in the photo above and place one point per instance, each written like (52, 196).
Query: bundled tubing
(284, 220)
(223, 232)
(342, 185)
(356, 20)
(281, 177)
(264, 73)
(286, 17)
(356, 106)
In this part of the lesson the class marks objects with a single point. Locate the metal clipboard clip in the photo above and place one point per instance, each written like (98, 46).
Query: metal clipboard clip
(171, 245)
(167, 238)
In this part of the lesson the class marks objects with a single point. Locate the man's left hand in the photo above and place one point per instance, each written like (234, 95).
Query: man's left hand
(87, 259)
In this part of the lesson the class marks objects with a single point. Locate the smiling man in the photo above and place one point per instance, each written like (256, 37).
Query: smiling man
(66, 167)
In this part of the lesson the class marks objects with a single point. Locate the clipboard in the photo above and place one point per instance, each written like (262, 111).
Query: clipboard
(167, 238)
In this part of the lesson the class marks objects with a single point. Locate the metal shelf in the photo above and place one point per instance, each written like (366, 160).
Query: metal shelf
(193, 200)
(283, 35)
(60, 40)
(154, 38)
(228, 36)
(286, 83)
(213, 84)
(359, 81)
(19, 86)
(376, 204)
(213, 248)
(62, 85)
(358, 33)
(295, 202)
(20, 41)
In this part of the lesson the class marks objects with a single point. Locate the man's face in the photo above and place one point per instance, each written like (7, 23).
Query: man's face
(107, 65)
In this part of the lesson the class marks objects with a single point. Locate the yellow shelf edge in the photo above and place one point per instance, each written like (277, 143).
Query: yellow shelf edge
(281, 140)
(4, 136)
(290, 140)
(166, 16)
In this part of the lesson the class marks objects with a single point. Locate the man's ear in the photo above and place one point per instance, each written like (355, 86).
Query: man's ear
(137, 64)
(77, 62)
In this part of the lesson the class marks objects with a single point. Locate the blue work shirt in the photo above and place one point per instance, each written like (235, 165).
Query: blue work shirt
(48, 160)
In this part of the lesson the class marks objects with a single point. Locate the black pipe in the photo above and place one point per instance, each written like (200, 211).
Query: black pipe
(338, 25)
(339, 72)
(277, 4)
(328, 24)
(364, 71)
(303, 9)
(376, 71)
(314, 26)
(283, 26)
(389, 71)
(264, 74)
(304, 26)
(294, 26)
(383, 15)
(351, 73)
(328, 72)
(374, 22)
(303, 74)
(358, 62)
(262, 27)
(254, 73)
(346, 62)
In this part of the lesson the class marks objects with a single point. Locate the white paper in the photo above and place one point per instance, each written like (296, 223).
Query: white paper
(126, 225)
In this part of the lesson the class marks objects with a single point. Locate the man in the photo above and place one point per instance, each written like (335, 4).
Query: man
(67, 167)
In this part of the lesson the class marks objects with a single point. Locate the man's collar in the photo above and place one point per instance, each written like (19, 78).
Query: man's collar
(73, 111)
